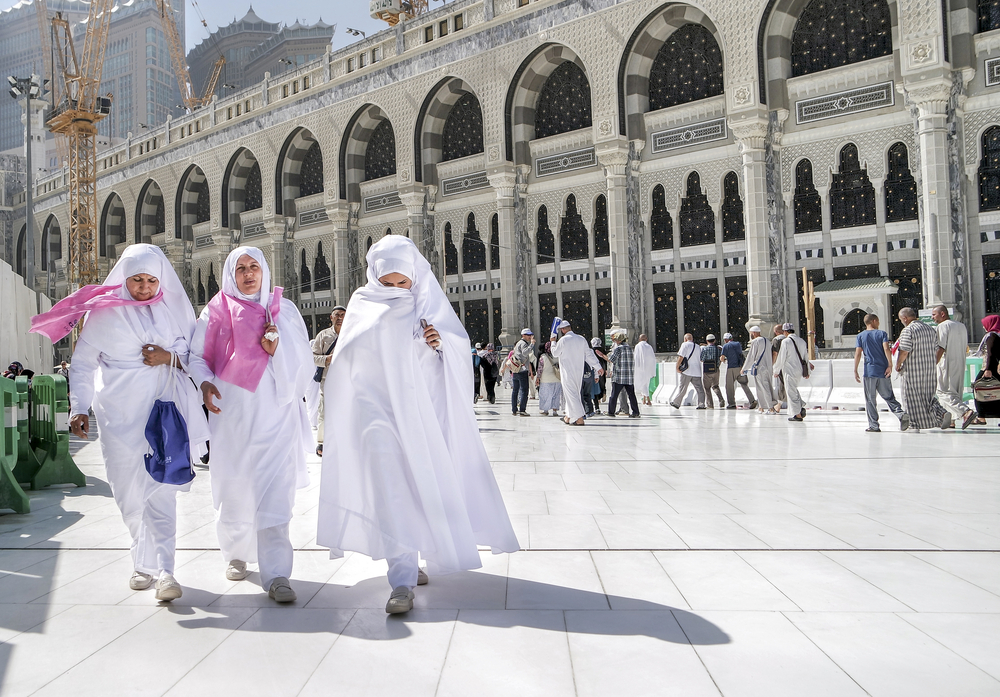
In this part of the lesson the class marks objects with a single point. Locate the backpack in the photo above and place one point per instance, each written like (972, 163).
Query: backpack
(169, 461)
(712, 365)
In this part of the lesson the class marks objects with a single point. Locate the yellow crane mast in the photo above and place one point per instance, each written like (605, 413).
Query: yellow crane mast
(76, 115)
(191, 101)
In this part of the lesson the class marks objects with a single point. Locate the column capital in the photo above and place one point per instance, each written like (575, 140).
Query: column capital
(413, 199)
(750, 133)
(338, 214)
(929, 96)
(504, 182)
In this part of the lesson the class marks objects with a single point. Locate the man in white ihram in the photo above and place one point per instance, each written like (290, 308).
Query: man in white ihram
(572, 350)
(645, 368)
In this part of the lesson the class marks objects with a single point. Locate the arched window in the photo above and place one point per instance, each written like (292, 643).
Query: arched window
(305, 277)
(832, 33)
(573, 242)
(495, 242)
(463, 129)
(311, 174)
(368, 244)
(254, 197)
(213, 283)
(989, 15)
(853, 322)
(602, 240)
(545, 245)
(201, 289)
(450, 252)
(807, 203)
(661, 227)
(697, 217)
(900, 187)
(473, 251)
(321, 269)
(380, 155)
(989, 170)
(564, 102)
(852, 196)
(733, 225)
(688, 67)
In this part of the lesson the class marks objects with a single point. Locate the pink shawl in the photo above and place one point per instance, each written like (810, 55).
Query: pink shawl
(60, 320)
(232, 339)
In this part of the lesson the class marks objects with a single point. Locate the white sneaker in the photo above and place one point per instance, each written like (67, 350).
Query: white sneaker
(281, 591)
(400, 601)
(422, 577)
(167, 588)
(237, 570)
(140, 581)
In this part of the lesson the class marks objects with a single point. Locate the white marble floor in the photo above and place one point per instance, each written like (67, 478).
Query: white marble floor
(684, 553)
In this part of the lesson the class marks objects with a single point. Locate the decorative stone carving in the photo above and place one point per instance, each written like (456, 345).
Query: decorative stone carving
(494, 153)
(743, 94)
(922, 52)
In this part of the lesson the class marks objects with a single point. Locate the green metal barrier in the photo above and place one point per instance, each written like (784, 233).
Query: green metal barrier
(49, 427)
(11, 494)
(28, 463)
(973, 364)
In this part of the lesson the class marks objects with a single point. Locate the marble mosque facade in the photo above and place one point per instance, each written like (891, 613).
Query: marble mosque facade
(664, 167)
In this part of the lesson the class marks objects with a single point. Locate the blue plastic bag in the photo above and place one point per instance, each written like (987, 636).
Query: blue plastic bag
(169, 461)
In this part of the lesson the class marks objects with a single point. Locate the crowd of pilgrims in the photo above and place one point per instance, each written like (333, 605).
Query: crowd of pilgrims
(407, 477)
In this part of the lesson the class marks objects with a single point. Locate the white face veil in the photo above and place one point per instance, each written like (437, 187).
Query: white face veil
(149, 259)
(229, 285)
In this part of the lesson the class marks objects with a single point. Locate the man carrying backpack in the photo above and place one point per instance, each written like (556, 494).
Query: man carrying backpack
(710, 360)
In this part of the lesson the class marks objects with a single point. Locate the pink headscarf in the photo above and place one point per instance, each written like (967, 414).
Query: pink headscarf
(236, 323)
(991, 323)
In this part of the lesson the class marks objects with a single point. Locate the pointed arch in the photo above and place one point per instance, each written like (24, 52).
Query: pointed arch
(808, 206)
(193, 203)
(241, 187)
(473, 250)
(696, 215)
(602, 238)
(354, 151)
(545, 241)
(661, 226)
(51, 242)
(112, 227)
(150, 213)
(449, 126)
(852, 196)
(299, 172)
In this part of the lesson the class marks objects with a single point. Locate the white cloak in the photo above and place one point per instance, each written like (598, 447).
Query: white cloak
(645, 367)
(573, 350)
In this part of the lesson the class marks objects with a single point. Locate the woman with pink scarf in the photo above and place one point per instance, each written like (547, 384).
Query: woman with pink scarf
(251, 357)
(989, 349)
(138, 329)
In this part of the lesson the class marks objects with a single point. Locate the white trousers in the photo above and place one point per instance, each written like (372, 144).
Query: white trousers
(271, 547)
(762, 382)
(153, 528)
(403, 570)
(795, 402)
(951, 401)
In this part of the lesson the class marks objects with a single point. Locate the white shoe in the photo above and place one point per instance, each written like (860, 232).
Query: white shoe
(400, 601)
(422, 577)
(167, 588)
(281, 591)
(237, 570)
(140, 581)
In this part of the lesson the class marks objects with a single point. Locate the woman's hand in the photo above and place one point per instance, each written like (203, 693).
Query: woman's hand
(987, 373)
(80, 425)
(208, 390)
(432, 337)
(269, 346)
(154, 355)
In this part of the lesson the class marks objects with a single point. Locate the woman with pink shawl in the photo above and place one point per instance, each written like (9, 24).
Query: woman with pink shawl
(251, 357)
(139, 322)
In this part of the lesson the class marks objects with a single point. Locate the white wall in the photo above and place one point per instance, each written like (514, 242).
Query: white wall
(17, 306)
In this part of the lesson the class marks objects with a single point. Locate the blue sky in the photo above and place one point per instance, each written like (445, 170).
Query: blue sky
(343, 13)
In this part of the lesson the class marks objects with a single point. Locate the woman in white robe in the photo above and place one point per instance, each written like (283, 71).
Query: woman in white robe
(408, 475)
(120, 366)
(260, 425)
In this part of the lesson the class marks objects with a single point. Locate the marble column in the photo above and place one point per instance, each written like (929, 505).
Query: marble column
(615, 162)
(513, 287)
(339, 216)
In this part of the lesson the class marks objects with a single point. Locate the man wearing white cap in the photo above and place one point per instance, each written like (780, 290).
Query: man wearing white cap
(793, 365)
(689, 373)
(572, 350)
(758, 366)
(521, 372)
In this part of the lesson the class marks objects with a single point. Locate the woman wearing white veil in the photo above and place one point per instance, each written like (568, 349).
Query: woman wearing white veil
(251, 352)
(137, 318)
(408, 474)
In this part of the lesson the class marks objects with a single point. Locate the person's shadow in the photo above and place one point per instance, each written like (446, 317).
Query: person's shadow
(470, 597)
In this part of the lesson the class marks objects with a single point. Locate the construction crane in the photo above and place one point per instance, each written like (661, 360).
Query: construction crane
(395, 11)
(45, 42)
(75, 115)
(191, 101)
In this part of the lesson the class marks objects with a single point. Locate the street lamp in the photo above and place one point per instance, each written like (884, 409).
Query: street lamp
(356, 32)
(30, 87)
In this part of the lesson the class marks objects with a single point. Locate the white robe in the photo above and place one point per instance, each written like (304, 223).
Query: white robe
(121, 388)
(260, 440)
(573, 350)
(645, 367)
(758, 365)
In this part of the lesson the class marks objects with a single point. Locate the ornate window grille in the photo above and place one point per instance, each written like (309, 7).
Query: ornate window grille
(473, 250)
(450, 252)
(545, 244)
(322, 269)
(900, 187)
(380, 155)
(989, 15)
(573, 238)
(688, 67)
(311, 174)
(213, 284)
(463, 129)
(305, 276)
(661, 227)
(697, 217)
(602, 240)
(807, 203)
(203, 202)
(564, 102)
(201, 289)
(495, 242)
(733, 225)
(832, 33)
(989, 171)
(852, 196)
(254, 198)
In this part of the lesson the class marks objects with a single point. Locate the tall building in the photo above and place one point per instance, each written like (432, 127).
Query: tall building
(253, 46)
(137, 66)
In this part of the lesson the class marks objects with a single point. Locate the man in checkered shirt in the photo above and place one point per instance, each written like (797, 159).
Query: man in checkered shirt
(623, 374)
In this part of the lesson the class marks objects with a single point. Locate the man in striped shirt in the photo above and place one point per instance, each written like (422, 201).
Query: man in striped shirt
(623, 374)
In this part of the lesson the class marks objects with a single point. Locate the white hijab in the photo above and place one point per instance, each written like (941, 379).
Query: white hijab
(150, 259)
(232, 289)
